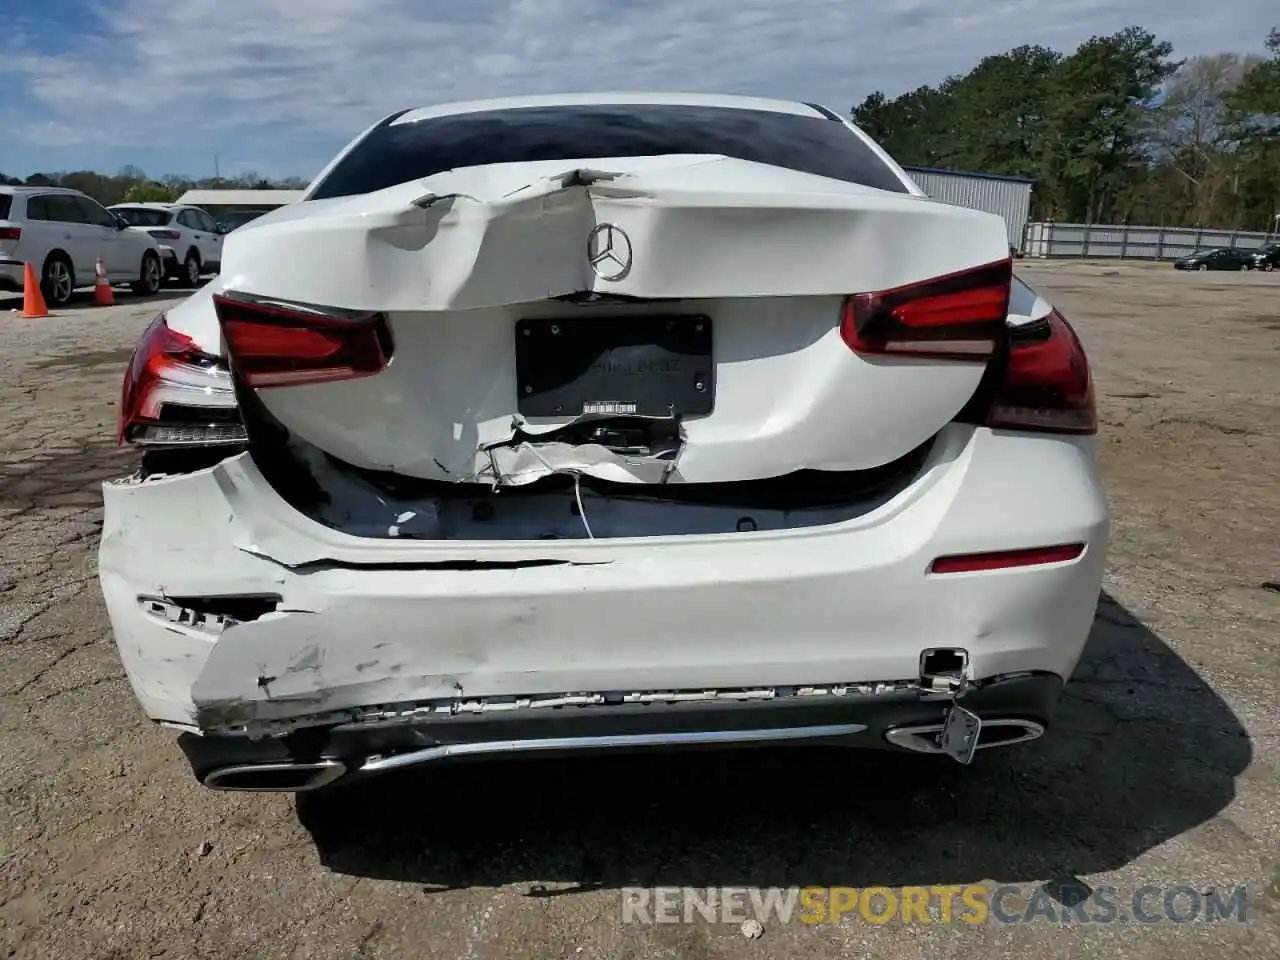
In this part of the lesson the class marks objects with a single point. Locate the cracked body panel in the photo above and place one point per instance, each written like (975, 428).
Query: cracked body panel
(363, 622)
(452, 262)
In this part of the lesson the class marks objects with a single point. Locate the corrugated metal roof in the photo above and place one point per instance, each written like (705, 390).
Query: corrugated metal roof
(240, 198)
(968, 173)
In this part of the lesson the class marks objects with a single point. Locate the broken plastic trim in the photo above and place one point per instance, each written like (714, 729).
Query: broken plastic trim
(209, 614)
(297, 471)
(415, 711)
(188, 434)
(313, 566)
(649, 437)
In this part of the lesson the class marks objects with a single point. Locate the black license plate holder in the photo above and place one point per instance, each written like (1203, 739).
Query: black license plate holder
(639, 366)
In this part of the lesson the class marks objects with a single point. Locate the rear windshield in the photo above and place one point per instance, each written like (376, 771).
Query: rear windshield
(142, 216)
(6, 203)
(398, 153)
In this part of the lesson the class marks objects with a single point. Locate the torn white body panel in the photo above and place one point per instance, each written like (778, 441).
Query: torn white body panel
(764, 253)
(360, 623)
(700, 227)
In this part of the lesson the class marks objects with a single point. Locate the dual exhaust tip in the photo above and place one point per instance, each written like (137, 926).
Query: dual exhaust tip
(994, 733)
(291, 776)
(284, 777)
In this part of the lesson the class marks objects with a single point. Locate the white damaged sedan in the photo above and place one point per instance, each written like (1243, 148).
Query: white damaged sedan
(603, 421)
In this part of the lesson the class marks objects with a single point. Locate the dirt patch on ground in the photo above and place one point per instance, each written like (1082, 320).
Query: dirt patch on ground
(89, 358)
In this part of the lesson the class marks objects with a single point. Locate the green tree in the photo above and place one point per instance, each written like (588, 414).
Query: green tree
(999, 112)
(148, 193)
(1097, 103)
(1252, 119)
(914, 127)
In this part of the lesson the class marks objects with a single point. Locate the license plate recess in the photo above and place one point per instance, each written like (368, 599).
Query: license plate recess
(636, 366)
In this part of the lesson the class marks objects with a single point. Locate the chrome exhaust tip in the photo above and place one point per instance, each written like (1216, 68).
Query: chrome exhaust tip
(284, 777)
(994, 733)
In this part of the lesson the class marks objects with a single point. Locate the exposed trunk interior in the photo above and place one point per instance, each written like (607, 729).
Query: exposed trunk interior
(379, 504)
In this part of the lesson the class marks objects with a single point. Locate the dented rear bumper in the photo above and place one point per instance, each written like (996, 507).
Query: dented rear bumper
(866, 718)
(235, 615)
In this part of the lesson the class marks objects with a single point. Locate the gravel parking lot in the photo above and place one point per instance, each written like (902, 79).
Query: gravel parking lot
(1164, 768)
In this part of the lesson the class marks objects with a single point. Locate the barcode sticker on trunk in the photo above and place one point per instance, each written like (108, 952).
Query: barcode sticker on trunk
(607, 406)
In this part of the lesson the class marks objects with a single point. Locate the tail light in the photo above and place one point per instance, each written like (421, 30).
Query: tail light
(273, 343)
(1046, 385)
(165, 234)
(10, 233)
(175, 395)
(960, 316)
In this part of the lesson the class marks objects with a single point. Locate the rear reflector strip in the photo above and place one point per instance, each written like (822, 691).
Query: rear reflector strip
(1004, 559)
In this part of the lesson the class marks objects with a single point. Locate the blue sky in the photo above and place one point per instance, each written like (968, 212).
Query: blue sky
(277, 86)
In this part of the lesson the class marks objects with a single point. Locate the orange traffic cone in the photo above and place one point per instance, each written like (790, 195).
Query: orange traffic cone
(102, 294)
(33, 304)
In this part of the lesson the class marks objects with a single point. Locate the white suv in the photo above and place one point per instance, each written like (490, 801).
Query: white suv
(63, 233)
(190, 239)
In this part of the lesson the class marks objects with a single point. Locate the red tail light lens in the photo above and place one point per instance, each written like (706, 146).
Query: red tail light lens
(176, 395)
(165, 234)
(1047, 386)
(1006, 559)
(10, 233)
(957, 317)
(277, 344)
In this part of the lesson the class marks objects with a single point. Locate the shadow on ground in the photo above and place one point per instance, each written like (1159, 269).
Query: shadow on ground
(1142, 751)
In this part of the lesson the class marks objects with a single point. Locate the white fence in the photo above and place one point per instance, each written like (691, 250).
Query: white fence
(1151, 243)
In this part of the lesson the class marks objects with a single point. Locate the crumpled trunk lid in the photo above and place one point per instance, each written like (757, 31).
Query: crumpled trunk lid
(697, 301)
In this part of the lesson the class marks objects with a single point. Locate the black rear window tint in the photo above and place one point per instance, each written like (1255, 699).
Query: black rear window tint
(397, 153)
(6, 204)
(142, 216)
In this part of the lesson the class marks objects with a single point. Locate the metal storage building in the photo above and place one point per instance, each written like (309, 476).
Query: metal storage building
(1010, 197)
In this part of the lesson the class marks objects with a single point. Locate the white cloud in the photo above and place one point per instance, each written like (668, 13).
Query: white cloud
(270, 72)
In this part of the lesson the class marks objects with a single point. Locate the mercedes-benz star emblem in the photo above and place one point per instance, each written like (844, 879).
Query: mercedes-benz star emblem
(609, 251)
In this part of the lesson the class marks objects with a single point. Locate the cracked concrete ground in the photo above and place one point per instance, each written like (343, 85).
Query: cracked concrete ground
(1162, 770)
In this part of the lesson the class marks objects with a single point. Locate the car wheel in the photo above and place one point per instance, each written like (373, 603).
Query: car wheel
(1268, 267)
(57, 280)
(1203, 267)
(149, 276)
(191, 269)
